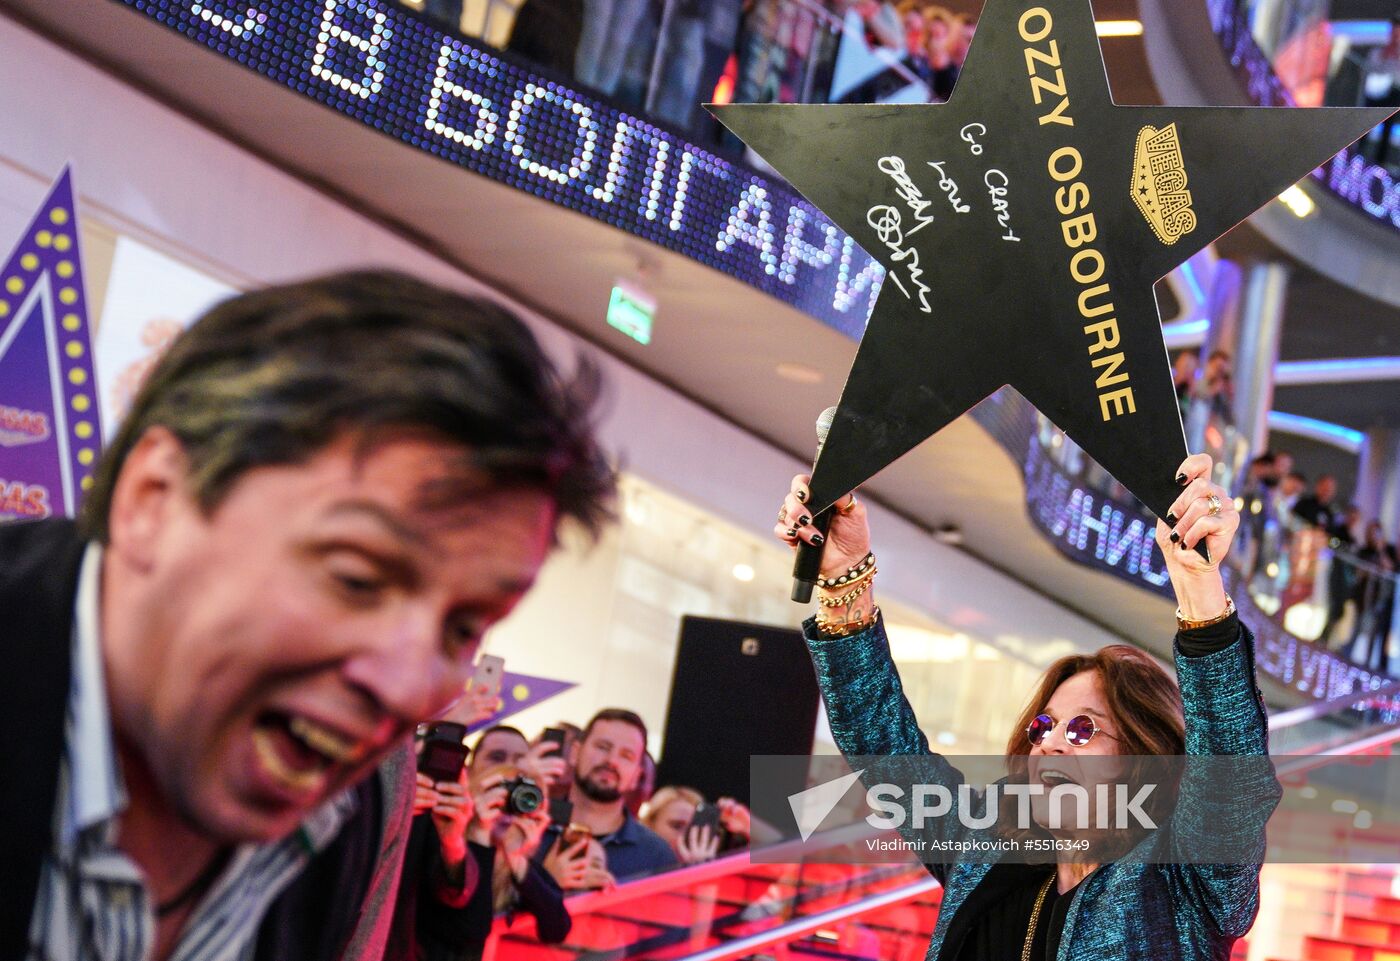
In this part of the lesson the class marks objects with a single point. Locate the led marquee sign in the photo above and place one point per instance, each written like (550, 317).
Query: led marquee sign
(391, 70)
(1091, 528)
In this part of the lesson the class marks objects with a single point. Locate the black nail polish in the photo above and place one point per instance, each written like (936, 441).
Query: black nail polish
(1172, 519)
(1180, 480)
(803, 521)
(802, 496)
(818, 540)
(1175, 537)
(792, 532)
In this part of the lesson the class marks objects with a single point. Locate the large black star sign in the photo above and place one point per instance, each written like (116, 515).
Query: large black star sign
(1022, 226)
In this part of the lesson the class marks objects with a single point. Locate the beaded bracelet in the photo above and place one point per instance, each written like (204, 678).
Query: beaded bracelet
(852, 580)
(858, 572)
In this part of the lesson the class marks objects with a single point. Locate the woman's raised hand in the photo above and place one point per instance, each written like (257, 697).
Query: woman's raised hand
(848, 539)
(1204, 512)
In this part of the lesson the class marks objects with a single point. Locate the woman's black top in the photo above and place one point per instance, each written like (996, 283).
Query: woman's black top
(1009, 891)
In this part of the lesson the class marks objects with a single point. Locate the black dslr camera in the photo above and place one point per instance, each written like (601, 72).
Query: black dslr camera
(523, 796)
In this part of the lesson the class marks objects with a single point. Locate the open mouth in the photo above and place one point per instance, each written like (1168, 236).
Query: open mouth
(1053, 778)
(298, 752)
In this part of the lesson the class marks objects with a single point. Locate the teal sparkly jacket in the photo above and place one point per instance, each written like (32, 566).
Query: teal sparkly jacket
(1129, 909)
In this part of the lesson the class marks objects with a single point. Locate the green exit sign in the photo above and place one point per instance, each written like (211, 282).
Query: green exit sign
(632, 311)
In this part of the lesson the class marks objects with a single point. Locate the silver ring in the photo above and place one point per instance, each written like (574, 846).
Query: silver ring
(1214, 505)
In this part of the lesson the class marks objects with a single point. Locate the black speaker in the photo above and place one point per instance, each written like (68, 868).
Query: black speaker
(738, 690)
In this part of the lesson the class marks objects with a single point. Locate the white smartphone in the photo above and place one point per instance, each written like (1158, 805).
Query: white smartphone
(489, 671)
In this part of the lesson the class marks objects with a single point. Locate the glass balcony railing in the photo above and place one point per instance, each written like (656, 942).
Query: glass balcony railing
(736, 908)
(1323, 610)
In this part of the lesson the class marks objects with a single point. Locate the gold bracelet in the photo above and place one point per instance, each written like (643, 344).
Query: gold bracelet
(865, 568)
(827, 629)
(1184, 624)
(845, 598)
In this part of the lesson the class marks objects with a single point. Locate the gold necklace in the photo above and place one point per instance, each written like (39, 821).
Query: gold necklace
(1035, 917)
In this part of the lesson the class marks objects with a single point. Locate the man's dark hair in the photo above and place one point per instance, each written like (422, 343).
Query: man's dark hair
(497, 729)
(617, 714)
(272, 377)
(1298, 476)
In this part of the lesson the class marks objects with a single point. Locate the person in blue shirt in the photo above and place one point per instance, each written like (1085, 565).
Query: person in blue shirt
(607, 763)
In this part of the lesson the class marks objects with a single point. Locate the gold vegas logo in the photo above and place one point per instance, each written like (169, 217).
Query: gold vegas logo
(1159, 184)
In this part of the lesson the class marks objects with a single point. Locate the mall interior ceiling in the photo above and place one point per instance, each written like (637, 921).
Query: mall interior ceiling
(760, 363)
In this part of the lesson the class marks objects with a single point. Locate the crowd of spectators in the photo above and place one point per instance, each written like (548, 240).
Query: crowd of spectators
(1212, 382)
(1300, 543)
(667, 57)
(528, 822)
(662, 56)
(1289, 527)
(1370, 77)
(932, 40)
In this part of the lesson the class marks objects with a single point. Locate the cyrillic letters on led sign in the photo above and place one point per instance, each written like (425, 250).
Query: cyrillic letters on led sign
(474, 107)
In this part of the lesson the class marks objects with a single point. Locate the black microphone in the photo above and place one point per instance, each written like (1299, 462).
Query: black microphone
(808, 564)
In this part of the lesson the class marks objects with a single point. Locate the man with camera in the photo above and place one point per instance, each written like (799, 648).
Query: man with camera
(603, 841)
(507, 816)
(321, 498)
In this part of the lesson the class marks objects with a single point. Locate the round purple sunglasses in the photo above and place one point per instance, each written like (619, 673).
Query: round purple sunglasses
(1079, 730)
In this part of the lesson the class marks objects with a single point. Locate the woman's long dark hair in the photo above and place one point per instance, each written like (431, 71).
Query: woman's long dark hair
(1144, 704)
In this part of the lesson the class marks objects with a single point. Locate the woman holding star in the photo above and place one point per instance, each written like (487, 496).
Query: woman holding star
(1103, 712)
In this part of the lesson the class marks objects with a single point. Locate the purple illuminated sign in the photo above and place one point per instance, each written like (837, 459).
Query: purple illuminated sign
(476, 108)
(522, 691)
(50, 434)
(1369, 187)
(1090, 527)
